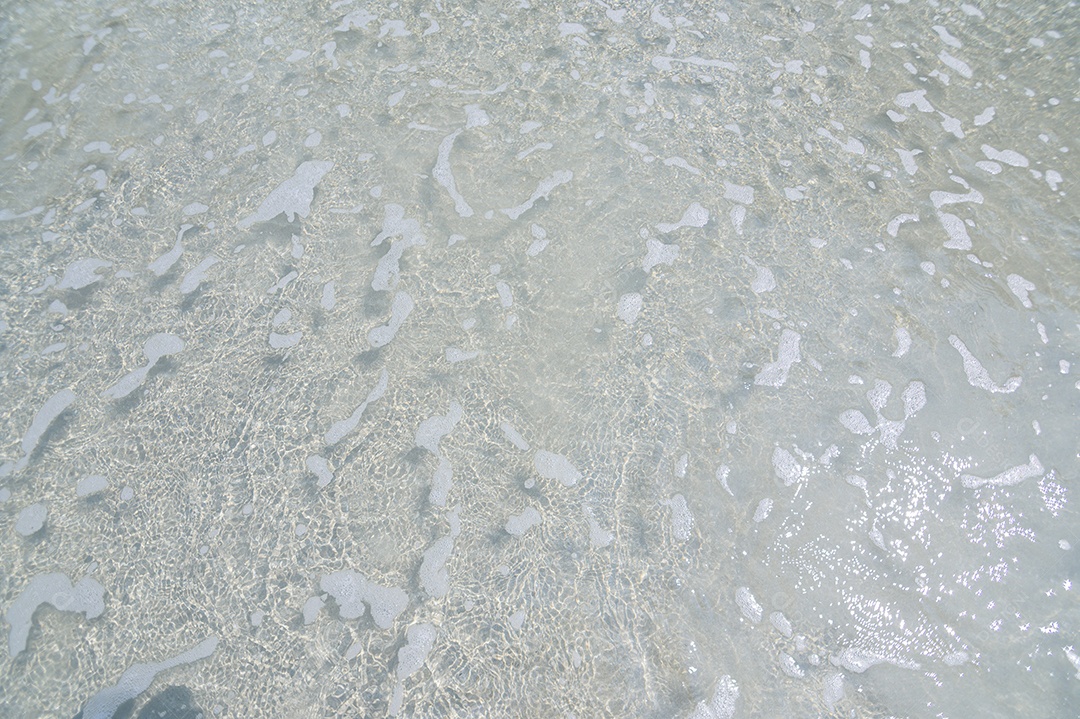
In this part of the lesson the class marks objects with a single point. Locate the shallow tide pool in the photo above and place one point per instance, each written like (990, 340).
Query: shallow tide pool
(689, 360)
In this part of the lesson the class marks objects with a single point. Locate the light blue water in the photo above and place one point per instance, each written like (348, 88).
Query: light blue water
(677, 360)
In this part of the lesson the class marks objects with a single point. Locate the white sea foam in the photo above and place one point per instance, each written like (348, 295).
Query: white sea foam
(292, 197)
(162, 344)
(543, 189)
(775, 374)
(341, 428)
(53, 408)
(550, 465)
(138, 677)
(977, 376)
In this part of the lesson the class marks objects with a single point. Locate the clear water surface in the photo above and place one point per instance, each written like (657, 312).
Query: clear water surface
(549, 359)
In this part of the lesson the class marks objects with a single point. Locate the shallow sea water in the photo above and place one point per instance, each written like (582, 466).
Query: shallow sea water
(539, 360)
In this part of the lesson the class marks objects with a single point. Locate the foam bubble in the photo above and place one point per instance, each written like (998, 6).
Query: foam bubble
(859, 660)
(351, 590)
(163, 263)
(339, 429)
(281, 341)
(400, 308)
(434, 578)
(957, 232)
(833, 691)
(555, 466)
(1009, 157)
(786, 466)
(851, 145)
(82, 273)
(441, 482)
(385, 604)
(903, 342)
(914, 398)
(320, 468)
(598, 536)
(357, 18)
(87, 597)
(444, 176)
(328, 300)
(1074, 659)
(666, 63)
(197, 274)
(658, 253)
(539, 146)
(514, 436)
(907, 159)
(956, 64)
(571, 28)
(53, 408)
(1011, 476)
(682, 521)
(977, 375)
(91, 485)
(856, 422)
(387, 271)
(395, 224)
(506, 297)
(738, 215)
(536, 247)
(432, 430)
(157, 346)
(37, 130)
(940, 198)
(311, 609)
(283, 316)
(293, 196)
(629, 307)
(31, 519)
(748, 604)
(694, 216)
(764, 281)
(916, 98)
(775, 374)
(419, 639)
(475, 116)
(985, 116)
(722, 704)
(138, 678)
(894, 224)
(781, 623)
(677, 161)
(955, 659)
(518, 524)
(543, 189)
(743, 194)
(1020, 287)
(455, 355)
(282, 283)
(789, 666)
